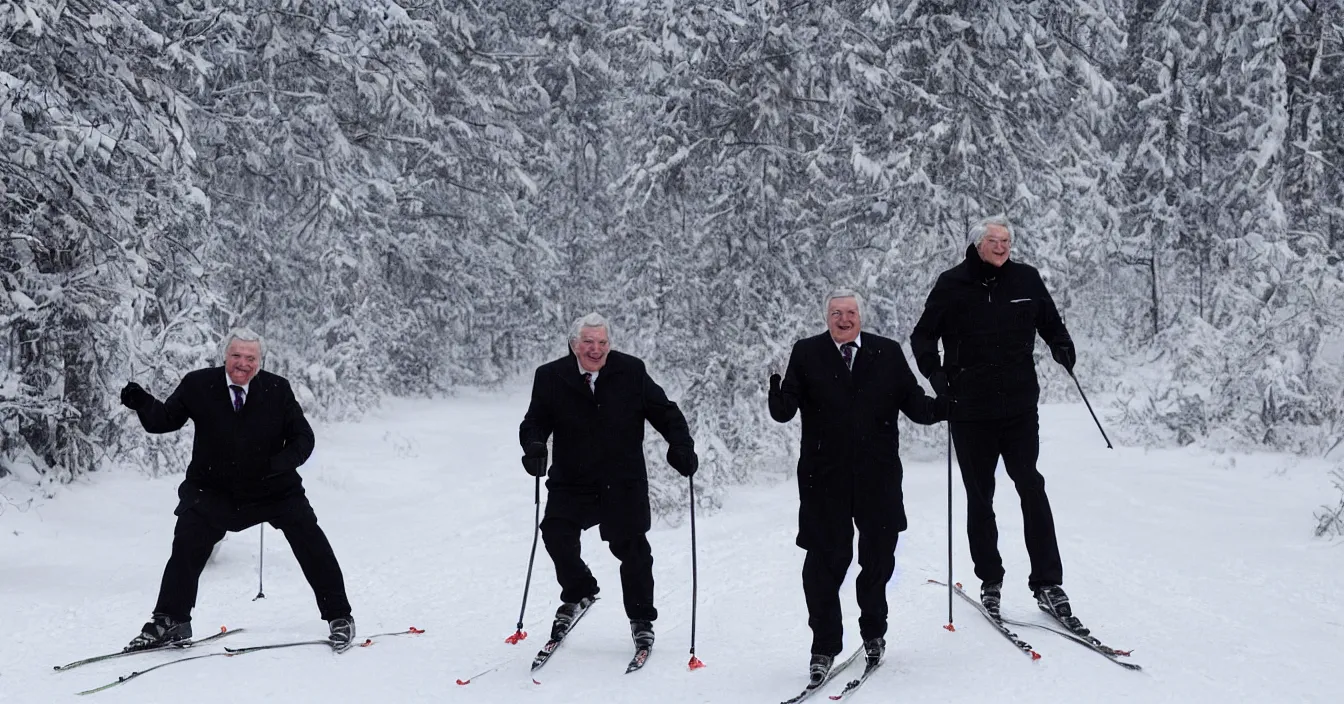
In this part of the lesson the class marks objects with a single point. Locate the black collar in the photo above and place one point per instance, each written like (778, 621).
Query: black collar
(978, 269)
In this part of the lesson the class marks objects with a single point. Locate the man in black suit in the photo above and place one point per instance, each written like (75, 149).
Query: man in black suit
(593, 402)
(251, 437)
(849, 387)
(987, 311)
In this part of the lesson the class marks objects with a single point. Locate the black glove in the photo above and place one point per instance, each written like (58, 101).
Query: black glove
(134, 397)
(942, 407)
(774, 382)
(939, 383)
(1064, 355)
(534, 458)
(683, 459)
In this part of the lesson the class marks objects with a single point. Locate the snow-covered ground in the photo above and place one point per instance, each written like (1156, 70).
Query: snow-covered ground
(1202, 563)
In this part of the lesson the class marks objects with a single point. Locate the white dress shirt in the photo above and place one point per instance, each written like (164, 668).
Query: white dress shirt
(858, 343)
(230, 390)
(592, 380)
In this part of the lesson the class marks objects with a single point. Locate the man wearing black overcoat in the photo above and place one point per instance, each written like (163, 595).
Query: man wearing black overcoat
(592, 403)
(987, 312)
(251, 437)
(849, 387)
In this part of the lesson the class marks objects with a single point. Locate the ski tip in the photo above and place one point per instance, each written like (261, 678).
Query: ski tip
(367, 642)
(958, 585)
(464, 682)
(637, 662)
(1034, 655)
(951, 628)
(534, 681)
(415, 631)
(223, 629)
(517, 637)
(695, 663)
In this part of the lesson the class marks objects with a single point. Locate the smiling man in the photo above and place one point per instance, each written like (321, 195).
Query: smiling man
(986, 312)
(251, 437)
(593, 403)
(849, 386)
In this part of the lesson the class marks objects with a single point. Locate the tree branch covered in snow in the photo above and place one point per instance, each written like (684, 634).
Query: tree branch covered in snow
(1330, 520)
(404, 199)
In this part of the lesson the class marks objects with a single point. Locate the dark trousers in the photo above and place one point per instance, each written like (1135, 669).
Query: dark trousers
(824, 571)
(979, 445)
(562, 535)
(196, 534)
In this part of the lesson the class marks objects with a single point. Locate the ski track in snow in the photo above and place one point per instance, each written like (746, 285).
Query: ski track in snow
(1202, 563)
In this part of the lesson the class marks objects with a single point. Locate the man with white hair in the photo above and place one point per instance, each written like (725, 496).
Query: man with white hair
(251, 437)
(849, 386)
(592, 404)
(987, 312)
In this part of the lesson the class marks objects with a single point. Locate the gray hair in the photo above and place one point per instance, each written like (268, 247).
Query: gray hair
(592, 320)
(981, 228)
(242, 335)
(840, 293)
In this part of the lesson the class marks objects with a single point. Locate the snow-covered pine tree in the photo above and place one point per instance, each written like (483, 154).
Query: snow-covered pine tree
(101, 221)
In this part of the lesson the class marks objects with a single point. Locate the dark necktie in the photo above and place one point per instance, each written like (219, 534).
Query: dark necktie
(588, 379)
(847, 351)
(237, 397)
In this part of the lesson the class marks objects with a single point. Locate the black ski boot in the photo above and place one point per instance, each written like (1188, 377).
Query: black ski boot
(873, 649)
(1055, 602)
(990, 593)
(342, 633)
(818, 668)
(162, 630)
(564, 616)
(642, 632)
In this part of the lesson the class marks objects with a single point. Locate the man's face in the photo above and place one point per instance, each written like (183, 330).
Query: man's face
(242, 360)
(591, 348)
(994, 245)
(842, 317)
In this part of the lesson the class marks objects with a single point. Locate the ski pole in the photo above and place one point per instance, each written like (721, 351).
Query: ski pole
(949, 625)
(1089, 410)
(695, 662)
(519, 634)
(261, 562)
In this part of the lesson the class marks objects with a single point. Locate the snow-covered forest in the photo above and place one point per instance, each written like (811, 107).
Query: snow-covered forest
(411, 198)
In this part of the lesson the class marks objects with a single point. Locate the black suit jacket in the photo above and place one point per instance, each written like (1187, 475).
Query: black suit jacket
(597, 458)
(850, 464)
(237, 458)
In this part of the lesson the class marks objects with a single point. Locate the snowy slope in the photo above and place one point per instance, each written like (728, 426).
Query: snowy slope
(1202, 563)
